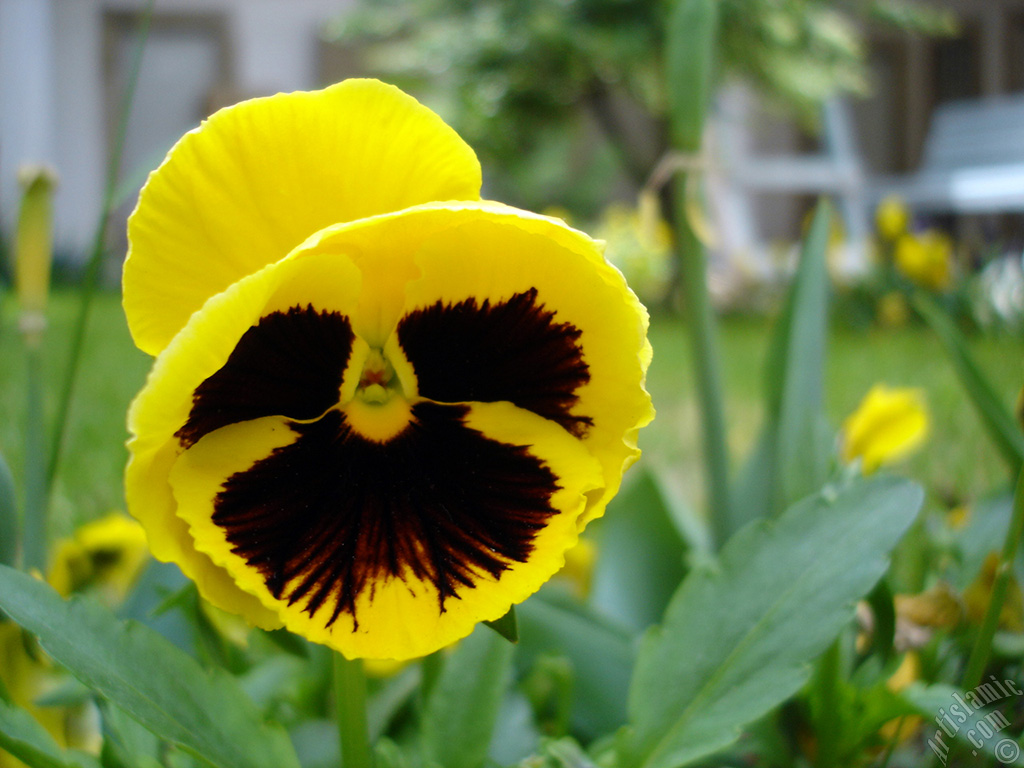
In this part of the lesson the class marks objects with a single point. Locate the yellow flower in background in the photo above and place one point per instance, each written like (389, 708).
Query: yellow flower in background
(639, 243)
(888, 425)
(926, 259)
(106, 557)
(381, 409)
(892, 218)
(107, 554)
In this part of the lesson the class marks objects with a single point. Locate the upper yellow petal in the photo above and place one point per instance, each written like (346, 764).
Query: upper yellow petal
(256, 179)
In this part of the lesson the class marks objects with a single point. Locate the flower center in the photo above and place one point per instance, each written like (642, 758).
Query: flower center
(379, 410)
(377, 383)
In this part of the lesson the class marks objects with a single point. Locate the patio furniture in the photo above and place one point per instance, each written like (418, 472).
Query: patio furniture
(973, 160)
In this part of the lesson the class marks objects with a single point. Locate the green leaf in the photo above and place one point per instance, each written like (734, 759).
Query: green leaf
(996, 418)
(790, 458)
(126, 744)
(463, 706)
(28, 741)
(739, 640)
(506, 626)
(204, 711)
(641, 556)
(883, 609)
(799, 376)
(953, 715)
(8, 516)
(601, 654)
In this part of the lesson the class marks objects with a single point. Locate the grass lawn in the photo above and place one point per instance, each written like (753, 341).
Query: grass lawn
(957, 463)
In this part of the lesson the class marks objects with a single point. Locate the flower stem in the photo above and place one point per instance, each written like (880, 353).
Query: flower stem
(92, 269)
(983, 643)
(350, 709)
(703, 333)
(36, 530)
(828, 680)
(692, 35)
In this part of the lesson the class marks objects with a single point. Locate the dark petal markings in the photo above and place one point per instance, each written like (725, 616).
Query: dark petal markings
(511, 350)
(329, 516)
(289, 364)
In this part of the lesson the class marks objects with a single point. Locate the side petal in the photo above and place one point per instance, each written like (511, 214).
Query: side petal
(256, 179)
(388, 549)
(228, 364)
(518, 307)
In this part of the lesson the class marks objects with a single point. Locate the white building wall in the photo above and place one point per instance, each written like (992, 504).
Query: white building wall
(27, 108)
(53, 94)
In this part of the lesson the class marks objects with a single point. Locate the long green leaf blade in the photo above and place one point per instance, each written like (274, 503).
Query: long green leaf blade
(739, 640)
(790, 458)
(802, 457)
(463, 707)
(8, 516)
(996, 418)
(204, 711)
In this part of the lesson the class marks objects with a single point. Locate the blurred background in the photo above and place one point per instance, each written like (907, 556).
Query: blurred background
(565, 103)
(562, 98)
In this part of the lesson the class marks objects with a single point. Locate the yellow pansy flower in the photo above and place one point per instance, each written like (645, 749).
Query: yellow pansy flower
(926, 259)
(382, 409)
(892, 218)
(888, 425)
(107, 554)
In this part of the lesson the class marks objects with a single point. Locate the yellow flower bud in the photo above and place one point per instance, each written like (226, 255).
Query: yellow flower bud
(888, 425)
(34, 247)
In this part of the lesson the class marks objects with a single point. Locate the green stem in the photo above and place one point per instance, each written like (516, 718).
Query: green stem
(829, 726)
(703, 332)
(36, 525)
(92, 270)
(983, 643)
(690, 46)
(350, 708)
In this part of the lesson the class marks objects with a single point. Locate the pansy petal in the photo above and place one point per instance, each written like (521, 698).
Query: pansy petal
(226, 365)
(393, 548)
(256, 179)
(537, 317)
(546, 286)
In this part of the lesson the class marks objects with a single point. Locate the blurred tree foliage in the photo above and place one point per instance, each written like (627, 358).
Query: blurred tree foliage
(513, 75)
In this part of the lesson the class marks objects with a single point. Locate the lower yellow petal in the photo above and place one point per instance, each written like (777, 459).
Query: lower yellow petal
(388, 550)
